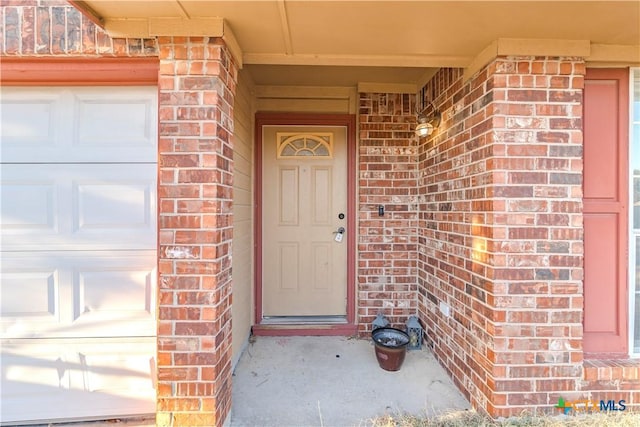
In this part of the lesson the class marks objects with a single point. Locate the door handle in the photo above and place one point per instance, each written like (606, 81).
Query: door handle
(340, 230)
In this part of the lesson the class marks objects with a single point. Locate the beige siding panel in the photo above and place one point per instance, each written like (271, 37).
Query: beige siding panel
(305, 92)
(306, 99)
(242, 308)
(340, 106)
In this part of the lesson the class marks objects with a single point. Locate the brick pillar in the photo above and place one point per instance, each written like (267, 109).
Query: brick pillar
(537, 295)
(500, 232)
(387, 245)
(197, 86)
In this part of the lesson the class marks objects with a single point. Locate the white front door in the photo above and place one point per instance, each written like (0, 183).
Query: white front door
(304, 205)
(78, 218)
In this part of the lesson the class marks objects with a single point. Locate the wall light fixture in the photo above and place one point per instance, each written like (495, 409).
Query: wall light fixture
(427, 124)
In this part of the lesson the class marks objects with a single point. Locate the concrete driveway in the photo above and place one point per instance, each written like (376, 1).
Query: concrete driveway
(333, 381)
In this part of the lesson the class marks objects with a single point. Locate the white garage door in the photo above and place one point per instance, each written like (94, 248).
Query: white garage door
(78, 248)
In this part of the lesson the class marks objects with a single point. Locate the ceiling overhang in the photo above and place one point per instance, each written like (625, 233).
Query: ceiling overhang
(418, 35)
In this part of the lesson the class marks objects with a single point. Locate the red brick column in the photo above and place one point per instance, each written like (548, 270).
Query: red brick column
(197, 87)
(500, 249)
(538, 236)
(388, 176)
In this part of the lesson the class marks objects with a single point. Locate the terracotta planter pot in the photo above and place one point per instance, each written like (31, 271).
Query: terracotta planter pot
(390, 346)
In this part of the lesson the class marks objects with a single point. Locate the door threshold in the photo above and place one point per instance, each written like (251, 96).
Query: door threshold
(303, 320)
(305, 326)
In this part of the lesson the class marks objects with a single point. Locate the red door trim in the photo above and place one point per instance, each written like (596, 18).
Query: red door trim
(53, 71)
(349, 121)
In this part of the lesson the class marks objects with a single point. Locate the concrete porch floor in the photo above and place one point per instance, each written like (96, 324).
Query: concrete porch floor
(333, 381)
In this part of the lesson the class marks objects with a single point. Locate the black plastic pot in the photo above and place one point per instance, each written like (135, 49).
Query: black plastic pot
(390, 345)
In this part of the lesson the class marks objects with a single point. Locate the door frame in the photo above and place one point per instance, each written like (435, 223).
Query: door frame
(303, 119)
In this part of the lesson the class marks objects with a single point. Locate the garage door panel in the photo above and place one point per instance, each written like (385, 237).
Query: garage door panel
(41, 287)
(78, 294)
(80, 206)
(28, 121)
(114, 294)
(44, 378)
(111, 121)
(29, 205)
(32, 367)
(112, 206)
(118, 201)
(115, 370)
(78, 243)
(75, 125)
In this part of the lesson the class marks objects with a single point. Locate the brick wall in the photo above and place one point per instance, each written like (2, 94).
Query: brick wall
(501, 231)
(611, 379)
(388, 176)
(197, 87)
(52, 27)
(448, 161)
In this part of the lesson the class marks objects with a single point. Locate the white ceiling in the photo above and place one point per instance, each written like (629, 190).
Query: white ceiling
(283, 41)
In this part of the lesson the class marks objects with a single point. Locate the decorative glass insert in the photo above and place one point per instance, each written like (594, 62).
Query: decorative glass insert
(319, 144)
